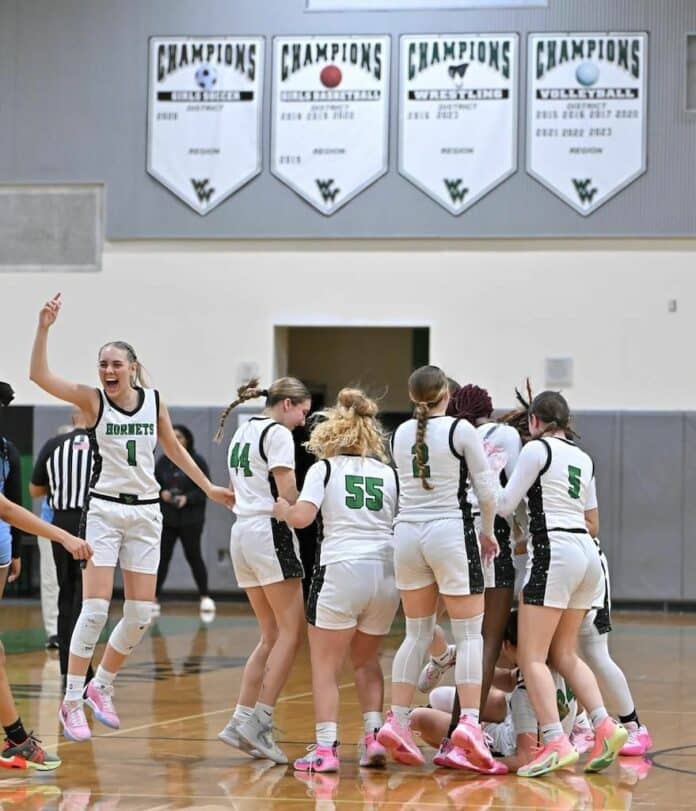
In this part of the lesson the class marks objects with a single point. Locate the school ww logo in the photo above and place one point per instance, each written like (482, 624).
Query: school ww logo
(327, 190)
(202, 191)
(585, 193)
(455, 189)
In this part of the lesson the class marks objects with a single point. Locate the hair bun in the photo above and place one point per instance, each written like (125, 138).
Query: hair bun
(355, 399)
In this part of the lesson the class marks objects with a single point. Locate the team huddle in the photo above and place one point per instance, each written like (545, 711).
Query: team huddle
(454, 514)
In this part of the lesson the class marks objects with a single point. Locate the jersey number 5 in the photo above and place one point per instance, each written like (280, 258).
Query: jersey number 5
(364, 491)
(574, 474)
(239, 457)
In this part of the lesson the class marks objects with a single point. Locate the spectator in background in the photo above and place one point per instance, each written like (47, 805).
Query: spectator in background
(11, 488)
(62, 472)
(183, 515)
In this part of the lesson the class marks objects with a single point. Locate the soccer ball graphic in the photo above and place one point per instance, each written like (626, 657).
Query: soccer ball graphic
(206, 77)
(587, 74)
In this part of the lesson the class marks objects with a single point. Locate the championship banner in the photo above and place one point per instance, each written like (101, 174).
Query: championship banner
(458, 115)
(407, 5)
(587, 114)
(204, 116)
(330, 116)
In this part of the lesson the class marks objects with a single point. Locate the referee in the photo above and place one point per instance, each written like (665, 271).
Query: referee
(62, 473)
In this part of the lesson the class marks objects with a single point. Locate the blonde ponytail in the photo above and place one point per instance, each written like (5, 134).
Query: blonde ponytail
(249, 391)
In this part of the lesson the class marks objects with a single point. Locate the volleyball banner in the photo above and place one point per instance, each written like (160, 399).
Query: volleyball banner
(204, 116)
(458, 115)
(586, 117)
(330, 116)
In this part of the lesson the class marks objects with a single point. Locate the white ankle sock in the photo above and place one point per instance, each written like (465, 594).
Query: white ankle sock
(444, 658)
(372, 721)
(472, 712)
(598, 715)
(401, 713)
(103, 679)
(264, 712)
(241, 713)
(550, 732)
(74, 687)
(327, 733)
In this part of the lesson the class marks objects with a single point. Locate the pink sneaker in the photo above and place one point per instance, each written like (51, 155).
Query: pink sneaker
(582, 738)
(639, 740)
(556, 754)
(469, 736)
(372, 754)
(319, 759)
(609, 740)
(450, 756)
(398, 741)
(72, 717)
(102, 704)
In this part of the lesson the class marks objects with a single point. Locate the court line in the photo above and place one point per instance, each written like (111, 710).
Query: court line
(152, 725)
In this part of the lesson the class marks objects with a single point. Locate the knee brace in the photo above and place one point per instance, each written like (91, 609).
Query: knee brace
(469, 644)
(88, 627)
(137, 615)
(411, 655)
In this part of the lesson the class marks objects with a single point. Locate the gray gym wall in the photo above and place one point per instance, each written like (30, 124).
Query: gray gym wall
(73, 107)
(646, 470)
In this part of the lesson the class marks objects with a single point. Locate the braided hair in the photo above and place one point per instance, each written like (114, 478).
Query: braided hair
(426, 387)
(552, 408)
(285, 388)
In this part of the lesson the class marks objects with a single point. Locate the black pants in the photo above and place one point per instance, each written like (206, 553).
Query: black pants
(69, 575)
(191, 541)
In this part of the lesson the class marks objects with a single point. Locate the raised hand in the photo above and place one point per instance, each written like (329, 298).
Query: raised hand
(49, 312)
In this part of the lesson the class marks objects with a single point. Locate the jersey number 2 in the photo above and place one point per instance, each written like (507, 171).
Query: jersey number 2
(130, 450)
(358, 487)
(239, 457)
(425, 456)
(574, 474)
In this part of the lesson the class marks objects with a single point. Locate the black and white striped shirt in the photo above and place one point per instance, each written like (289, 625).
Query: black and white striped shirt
(63, 466)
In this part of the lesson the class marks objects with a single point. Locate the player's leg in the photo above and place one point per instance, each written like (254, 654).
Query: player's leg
(497, 606)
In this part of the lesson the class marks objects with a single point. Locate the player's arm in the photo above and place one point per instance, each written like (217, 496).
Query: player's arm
(531, 462)
(304, 511)
(26, 521)
(592, 510)
(178, 454)
(84, 397)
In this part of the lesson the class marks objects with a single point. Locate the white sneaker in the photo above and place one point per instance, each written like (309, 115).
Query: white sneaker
(230, 736)
(432, 673)
(207, 605)
(254, 735)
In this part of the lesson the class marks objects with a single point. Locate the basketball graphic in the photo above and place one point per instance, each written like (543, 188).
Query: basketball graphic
(331, 76)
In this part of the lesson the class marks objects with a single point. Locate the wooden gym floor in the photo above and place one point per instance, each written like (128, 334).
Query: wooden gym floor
(180, 686)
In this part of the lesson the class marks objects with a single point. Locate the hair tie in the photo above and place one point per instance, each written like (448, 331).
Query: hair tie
(263, 392)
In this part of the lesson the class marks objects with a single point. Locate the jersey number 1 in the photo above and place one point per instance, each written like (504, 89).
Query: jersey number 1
(239, 457)
(130, 451)
(574, 474)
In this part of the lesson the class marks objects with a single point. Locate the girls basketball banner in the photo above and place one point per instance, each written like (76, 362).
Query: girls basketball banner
(330, 116)
(587, 114)
(458, 125)
(204, 116)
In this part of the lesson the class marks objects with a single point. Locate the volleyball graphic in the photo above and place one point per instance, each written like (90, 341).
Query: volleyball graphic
(206, 77)
(331, 76)
(587, 74)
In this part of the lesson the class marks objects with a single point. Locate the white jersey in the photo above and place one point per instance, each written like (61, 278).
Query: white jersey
(453, 452)
(357, 497)
(123, 444)
(504, 442)
(257, 447)
(557, 478)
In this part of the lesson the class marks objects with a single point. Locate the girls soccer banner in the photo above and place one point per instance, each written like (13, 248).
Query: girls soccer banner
(587, 114)
(204, 116)
(330, 116)
(458, 132)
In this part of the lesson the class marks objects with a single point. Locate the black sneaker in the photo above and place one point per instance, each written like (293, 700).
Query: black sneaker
(52, 643)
